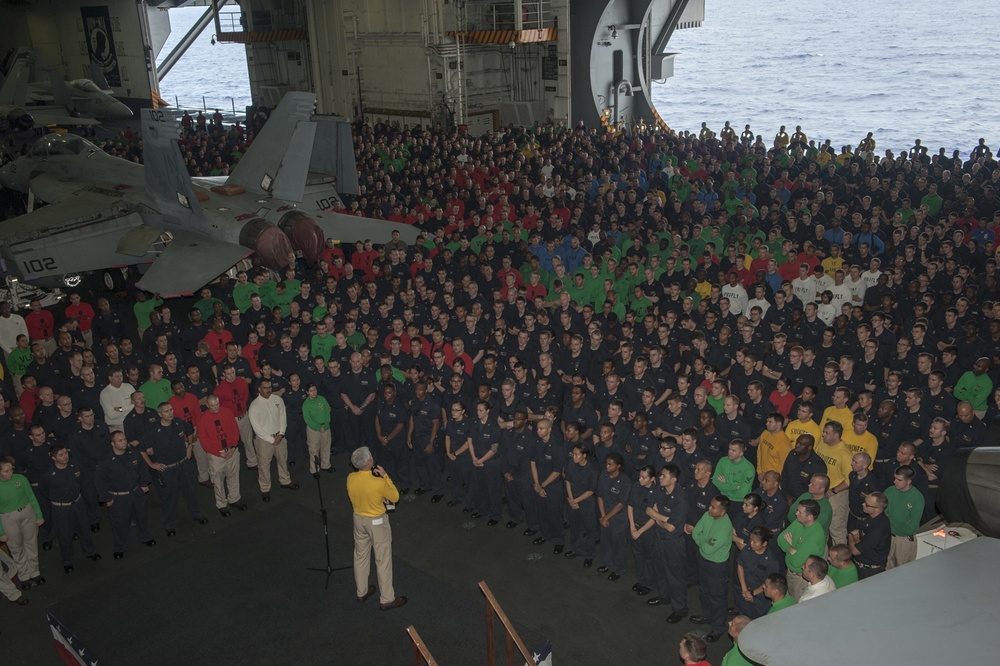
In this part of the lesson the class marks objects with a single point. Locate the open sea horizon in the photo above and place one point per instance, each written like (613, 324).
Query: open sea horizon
(840, 70)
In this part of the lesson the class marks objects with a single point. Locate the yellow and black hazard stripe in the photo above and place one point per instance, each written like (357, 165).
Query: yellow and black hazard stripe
(247, 37)
(533, 36)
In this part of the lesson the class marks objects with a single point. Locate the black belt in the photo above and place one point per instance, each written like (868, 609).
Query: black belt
(900, 536)
(869, 566)
(181, 461)
(65, 503)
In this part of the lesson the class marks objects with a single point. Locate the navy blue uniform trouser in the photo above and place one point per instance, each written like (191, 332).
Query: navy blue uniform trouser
(713, 590)
(69, 519)
(122, 512)
(394, 457)
(614, 544)
(487, 482)
(519, 504)
(461, 473)
(428, 466)
(583, 528)
(179, 481)
(550, 512)
(668, 569)
(642, 550)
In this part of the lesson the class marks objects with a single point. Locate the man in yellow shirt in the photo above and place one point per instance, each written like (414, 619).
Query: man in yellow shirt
(804, 424)
(838, 467)
(773, 447)
(839, 411)
(370, 490)
(858, 439)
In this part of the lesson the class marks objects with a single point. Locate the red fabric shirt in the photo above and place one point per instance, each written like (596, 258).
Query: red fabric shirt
(217, 344)
(41, 325)
(218, 431)
(234, 396)
(29, 401)
(186, 408)
(84, 314)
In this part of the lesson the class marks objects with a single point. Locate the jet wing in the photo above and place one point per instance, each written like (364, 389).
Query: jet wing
(351, 228)
(189, 262)
(54, 115)
(80, 233)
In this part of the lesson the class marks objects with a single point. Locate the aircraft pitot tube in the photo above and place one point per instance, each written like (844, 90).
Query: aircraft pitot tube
(306, 236)
(269, 242)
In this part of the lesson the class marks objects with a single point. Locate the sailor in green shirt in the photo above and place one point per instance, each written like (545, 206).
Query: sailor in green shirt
(143, 306)
(818, 485)
(842, 571)
(776, 589)
(19, 359)
(905, 508)
(734, 475)
(316, 414)
(156, 389)
(21, 517)
(714, 536)
(802, 538)
(206, 304)
(322, 342)
(242, 291)
(975, 385)
(734, 657)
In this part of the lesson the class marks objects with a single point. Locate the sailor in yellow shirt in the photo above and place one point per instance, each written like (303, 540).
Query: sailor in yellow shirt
(804, 424)
(839, 411)
(838, 467)
(858, 439)
(773, 447)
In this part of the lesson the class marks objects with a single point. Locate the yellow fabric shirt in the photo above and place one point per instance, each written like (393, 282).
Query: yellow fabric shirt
(366, 492)
(837, 459)
(772, 450)
(843, 416)
(832, 264)
(797, 427)
(866, 443)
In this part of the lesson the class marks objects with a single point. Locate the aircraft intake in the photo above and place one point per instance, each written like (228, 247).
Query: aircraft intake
(19, 120)
(306, 236)
(268, 241)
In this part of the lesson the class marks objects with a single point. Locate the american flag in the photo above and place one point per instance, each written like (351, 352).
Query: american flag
(70, 649)
(542, 655)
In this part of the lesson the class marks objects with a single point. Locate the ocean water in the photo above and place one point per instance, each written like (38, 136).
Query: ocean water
(902, 70)
(920, 69)
(207, 76)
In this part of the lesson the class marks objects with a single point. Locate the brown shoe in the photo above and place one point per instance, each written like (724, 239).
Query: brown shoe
(207, 484)
(291, 486)
(399, 601)
(21, 601)
(370, 592)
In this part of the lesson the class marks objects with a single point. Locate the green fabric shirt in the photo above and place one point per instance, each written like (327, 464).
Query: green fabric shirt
(156, 392)
(19, 360)
(735, 658)
(739, 478)
(782, 604)
(843, 577)
(806, 541)
(714, 537)
(15, 494)
(316, 413)
(142, 309)
(904, 510)
(242, 294)
(323, 346)
(975, 389)
(207, 307)
(825, 511)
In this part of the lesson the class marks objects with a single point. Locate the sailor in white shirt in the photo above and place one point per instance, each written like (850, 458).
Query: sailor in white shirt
(267, 417)
(871, 275)
(814, 571)
(11, 326)
(736, 294)
(116, 400)
(841, 292)
(804, 286)
(857, 285)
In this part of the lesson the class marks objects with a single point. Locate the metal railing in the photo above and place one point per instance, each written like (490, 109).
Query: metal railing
(512, 641)
(421, 655)
(533, 15)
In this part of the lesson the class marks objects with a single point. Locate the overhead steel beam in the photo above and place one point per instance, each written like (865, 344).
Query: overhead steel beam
(188, 39)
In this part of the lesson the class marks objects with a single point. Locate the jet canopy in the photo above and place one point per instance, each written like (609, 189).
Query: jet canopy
(52, 145)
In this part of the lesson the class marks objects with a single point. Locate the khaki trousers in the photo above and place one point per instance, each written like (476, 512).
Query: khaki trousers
(318, 444)
(201, 460)
(247, 435)
(796, 584)
(8, 569)
(902, 550)
(22, 539)
(838, 525)
(266, 451)
(373, 534)
(225, 476)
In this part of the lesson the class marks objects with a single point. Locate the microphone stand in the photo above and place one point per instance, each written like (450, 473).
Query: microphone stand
(328, 569)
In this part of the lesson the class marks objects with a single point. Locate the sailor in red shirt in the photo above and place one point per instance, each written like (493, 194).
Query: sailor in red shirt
(217, 340)
(186, 408)
(219, 437)
(41, 326)
(235, 396)
(84, 314)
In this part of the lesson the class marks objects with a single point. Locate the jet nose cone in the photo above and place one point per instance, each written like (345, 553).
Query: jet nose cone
(9, 177)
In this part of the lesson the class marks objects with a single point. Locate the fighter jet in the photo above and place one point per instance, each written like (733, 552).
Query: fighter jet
(77, 102)
(105, 211)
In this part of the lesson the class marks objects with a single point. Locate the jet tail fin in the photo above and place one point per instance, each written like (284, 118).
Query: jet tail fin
(168, 186)
(14, 91)
(277, 163)
(333, 153)
(60, 94)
